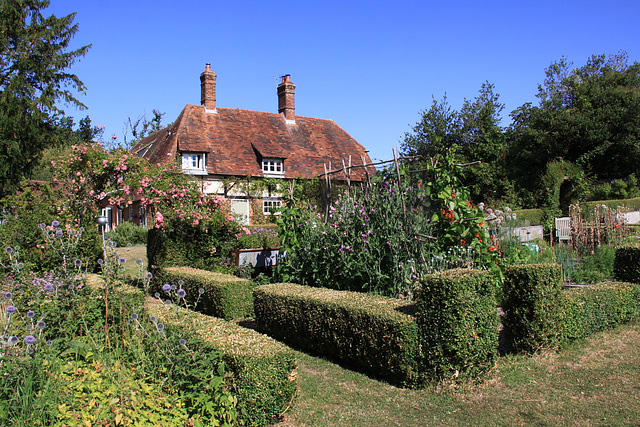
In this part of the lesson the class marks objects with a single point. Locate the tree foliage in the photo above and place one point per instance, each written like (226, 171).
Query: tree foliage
(589, 116)
(474, 134)
(34, 84)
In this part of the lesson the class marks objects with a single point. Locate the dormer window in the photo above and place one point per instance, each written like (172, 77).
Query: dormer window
(273, 167)
(194, 163)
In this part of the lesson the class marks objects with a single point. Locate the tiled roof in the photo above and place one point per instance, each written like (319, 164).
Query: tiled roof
(235, 141)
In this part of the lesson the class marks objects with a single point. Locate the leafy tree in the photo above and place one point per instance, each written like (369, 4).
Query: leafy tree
(483, 140)
(473, 134)
(436, 133)
(588, 116)
(34, 81)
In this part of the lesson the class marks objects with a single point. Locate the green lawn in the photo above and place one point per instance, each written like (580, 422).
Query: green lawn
(593, 382)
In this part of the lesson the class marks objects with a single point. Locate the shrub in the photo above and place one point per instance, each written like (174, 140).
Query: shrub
(219, 295)
(35, 215)
(204, 246)
(128, 233)
(372, 333)
(532, 306)
(626, 265)
(458, 324)
(262, 369)
(258, 236)
(590, 309)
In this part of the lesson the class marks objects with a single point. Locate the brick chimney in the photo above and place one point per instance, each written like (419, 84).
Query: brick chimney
(286, 96)
(208, 88)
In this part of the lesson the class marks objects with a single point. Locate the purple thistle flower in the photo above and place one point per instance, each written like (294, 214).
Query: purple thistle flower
(166, 287)
(9, 250)
(160, 327)
(41, 324)
(8, 295)
(153, 319)
(182, 341)
(59, 233)
(78, 262)
(123, 260)
(13, 340)
(11, 309)
(48, 287)
(31, 314)
(201, 291)
(29, 339)
(181, 293)
(134, 316)
(55, 223)
(149, 275)
(157, 295)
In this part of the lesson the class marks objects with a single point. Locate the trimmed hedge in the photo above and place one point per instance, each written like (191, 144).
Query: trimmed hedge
(225, 296)
(532, 306)
(458, 324)
(590, 309)
(264, 376)
(371, 333)
(626, 265)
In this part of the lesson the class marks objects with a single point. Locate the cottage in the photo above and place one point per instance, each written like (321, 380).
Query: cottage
(219, 146)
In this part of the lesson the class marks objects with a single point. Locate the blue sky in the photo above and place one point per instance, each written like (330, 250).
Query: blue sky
(371, 66)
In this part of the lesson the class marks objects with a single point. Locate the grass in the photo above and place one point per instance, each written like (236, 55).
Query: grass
(593, 382)
(133, 253)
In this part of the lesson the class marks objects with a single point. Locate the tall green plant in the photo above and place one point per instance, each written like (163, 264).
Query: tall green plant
(383, 240)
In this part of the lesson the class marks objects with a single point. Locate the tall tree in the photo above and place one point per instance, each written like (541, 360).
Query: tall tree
(474, 133)
(588, 116)
(34, 84)
(438, 131)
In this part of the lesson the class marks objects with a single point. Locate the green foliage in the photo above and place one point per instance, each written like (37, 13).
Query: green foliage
(91, 354)
(587, 116)
(532, 306)
(220, 295)
(591, 309)
(262, 370)
(617, 189)
(626, 265)
(257, 237)
(127, 233)
(381, 240)
(474, 133)
(49, 237)
(34, 81)
(373, 334)
(530, 216)
(205, 246)
(458, 324)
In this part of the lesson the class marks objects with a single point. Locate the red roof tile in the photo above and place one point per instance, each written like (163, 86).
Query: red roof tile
(235, 141)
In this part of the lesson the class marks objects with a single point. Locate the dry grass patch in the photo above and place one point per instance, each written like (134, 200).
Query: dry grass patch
(592, 382)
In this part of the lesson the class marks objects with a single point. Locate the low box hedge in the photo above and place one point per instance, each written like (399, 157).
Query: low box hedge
(531, 302)
(458, 324)
(590, 309)
(225, 296)
(264, 376)
(370, 333)
(626, 264)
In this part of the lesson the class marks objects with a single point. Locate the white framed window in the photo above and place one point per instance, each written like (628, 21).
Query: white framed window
(270, 207)
(193, 163)
(273, 166)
